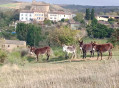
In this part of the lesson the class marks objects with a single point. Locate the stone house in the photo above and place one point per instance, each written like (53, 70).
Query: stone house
(9, 45)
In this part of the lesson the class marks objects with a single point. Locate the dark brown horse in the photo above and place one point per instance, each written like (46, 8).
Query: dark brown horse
(86, 48)
(100, 48)
(44, 50)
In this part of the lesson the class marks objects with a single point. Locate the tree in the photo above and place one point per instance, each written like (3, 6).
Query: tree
(22, 30)
(97, 30)
(115, 37)
(87, 14)
(29, 33)
(79, 17)
(92, 14)
(33, 35)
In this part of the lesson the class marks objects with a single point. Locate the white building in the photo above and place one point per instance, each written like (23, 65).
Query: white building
(26, 15)
(101, 18)
(58, 16)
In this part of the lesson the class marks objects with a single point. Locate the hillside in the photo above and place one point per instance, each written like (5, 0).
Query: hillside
(80, 8)
(6, 1)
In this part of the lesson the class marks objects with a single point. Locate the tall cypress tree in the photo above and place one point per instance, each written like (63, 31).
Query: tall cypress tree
(92, 14)
(87, 14)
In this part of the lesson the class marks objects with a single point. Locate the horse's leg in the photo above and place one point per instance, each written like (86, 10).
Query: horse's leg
(110, 55)
(48, 57)
(91, 53)
(37, 58)
(101, 55)
(83, 54)
(98, 55)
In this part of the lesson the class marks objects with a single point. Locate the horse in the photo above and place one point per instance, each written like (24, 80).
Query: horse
(86, 48)
(69, 49)
(45, 50)
(100, 48)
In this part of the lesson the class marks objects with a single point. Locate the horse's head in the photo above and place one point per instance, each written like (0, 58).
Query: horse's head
(32, 49)
(93, 45)
(81, 44)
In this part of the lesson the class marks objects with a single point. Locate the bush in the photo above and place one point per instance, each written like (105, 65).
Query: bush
(64, 35)
(3, 56)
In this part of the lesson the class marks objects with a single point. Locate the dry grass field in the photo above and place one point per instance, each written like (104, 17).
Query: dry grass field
(62, 74)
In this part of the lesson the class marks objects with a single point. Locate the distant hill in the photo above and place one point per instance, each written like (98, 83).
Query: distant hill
(7, 1)
(80, 8)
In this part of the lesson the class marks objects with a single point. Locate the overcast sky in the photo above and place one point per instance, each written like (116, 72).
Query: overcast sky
(83, 2)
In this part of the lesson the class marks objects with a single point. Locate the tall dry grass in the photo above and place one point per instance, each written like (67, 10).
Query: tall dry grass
(83, 74)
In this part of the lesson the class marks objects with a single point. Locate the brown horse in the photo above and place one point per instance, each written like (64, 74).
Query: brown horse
(86, 48)
(44, 50)
(100, 48)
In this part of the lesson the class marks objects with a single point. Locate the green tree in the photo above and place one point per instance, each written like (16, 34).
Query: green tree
(87, 14)
(115, 37)
(79, 17)
(22, 30)
(97, 30)
(33, 35)
(92, 14)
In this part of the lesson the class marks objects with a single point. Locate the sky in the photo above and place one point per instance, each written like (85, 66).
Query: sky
(83, 2)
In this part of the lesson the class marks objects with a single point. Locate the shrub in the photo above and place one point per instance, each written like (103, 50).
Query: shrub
(3, 56)
(64, 35)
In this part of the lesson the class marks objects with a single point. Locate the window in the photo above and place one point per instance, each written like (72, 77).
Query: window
(22, 18)
(21, 14)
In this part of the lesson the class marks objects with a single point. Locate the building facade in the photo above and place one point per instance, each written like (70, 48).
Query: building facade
(26, 15)
(29, 16)
(38, 16)
(58, 16)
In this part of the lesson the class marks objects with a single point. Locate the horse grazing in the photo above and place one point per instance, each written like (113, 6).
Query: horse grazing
(100, 48)
(44, 50)
(86, 48)
(69, 49)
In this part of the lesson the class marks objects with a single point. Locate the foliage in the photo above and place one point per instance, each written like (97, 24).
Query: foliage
(111, 20)
(22, 30)
(87, 14)
(8, 17)
(64, 35)
(47, 22)
(62, 20)
(92, 14)
(96, 30)
(7, 34)
(3, 56)
(115, 37)
(29, 33)
(33, 35)
(79, 17)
